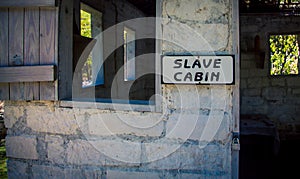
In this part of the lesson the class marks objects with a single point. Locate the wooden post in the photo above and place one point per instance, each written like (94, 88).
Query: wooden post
(65, 51)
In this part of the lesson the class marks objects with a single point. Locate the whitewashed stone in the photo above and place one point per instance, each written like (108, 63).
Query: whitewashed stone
(23, 147)
(105, 124)
(55, 149)
(12, 115)
(58, 121)
(115, 174)
(103, 152)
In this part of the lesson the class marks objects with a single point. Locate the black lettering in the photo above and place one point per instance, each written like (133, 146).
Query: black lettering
(188, 76)
(178, 62)
(206, 76)
(186, 64)
(196, 62)
(206, 65)
(176, 76)
(215, 75)
(217, 63)
(198, 76)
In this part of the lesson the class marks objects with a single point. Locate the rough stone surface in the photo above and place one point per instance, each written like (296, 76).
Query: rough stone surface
(57, 121)
(55, 149)
(17, 169)
(12, 115)
(184, 156)
(196, 26)
(103, 152)
(131, 175)
(106, 124)
(24, 147)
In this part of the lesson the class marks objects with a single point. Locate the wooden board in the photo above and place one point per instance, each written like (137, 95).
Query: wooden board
(4, 88)
(16, 48)
(27, 3)
(31, 49)
(27, 73)
(48, 30)
(28, 39)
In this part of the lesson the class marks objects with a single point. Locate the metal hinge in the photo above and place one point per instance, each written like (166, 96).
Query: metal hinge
(235, 144)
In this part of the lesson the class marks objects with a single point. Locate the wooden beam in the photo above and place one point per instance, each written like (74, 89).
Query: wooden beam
(28, 3)
(27, 73)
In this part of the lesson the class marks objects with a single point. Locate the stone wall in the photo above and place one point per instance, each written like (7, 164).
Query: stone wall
(277, 97)
(189, 138)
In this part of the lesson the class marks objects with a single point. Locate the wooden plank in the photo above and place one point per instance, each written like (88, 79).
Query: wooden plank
(4, 88)
(31, 49)
(48, 30)
(27, 73)
(16, 34)
(27, 3)
(65, 51)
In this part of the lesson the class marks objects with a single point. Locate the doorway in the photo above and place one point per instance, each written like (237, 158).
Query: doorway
(269, 87)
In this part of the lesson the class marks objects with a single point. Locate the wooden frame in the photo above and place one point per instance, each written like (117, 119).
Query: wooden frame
(28, 3)
(27, 73)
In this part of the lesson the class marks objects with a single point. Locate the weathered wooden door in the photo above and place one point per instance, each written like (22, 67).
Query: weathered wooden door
(28, 50)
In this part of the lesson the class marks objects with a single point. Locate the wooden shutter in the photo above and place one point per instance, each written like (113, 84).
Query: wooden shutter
(28, 52)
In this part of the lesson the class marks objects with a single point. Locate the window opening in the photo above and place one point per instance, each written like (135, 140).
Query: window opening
(284, 54)
(91, 27)
(123, 60)
(129, 54)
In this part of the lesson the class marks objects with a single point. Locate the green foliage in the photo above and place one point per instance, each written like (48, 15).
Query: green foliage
(86, 31)
(284, 51)
(3, 167)
(287, 1)
(86, 24)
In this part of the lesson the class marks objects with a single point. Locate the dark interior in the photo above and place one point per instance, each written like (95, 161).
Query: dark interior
(260, 157)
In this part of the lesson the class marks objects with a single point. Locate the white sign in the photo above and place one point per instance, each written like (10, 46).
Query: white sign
(198, 69)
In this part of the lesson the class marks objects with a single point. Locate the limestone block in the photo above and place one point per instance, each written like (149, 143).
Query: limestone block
(203, 11)
(185, 156)
(252, 92)
(252, 101)
(12, 115)
(194, 98)
(23, 147)
(181, 37)
(186, 126)
(114, 174)
(40, 171)
(58, 121)
(194, 26)
(55, 149)
(80, 152)
(274, 93)
(278, 82)
(119, 123)
(258, 73)
(103, 152)
(296, 91)
(258, 82)
(17, 169)
(293, 82)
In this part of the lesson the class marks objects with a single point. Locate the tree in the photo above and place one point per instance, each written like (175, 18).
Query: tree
(284, 51)
(86, 31)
